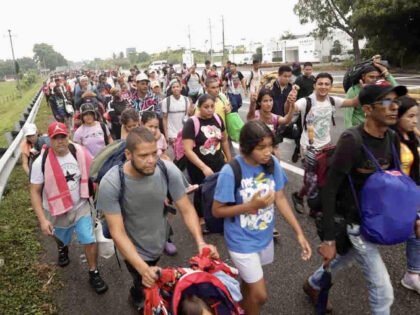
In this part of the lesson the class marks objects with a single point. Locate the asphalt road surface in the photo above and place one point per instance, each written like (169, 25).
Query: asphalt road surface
(284, 277)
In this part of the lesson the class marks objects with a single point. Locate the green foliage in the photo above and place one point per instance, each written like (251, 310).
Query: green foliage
(329, 15)
(25, 64)
(241, 49)
(29, 79)
(337, 48)
(392, 28)
(258, 54)
(287, 35)
(46, 55)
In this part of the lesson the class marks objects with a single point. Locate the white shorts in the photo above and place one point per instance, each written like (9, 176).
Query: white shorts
(250, 265)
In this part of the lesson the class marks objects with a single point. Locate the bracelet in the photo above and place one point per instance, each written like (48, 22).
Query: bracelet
(385, 72)
(329, 243)
(201, 243)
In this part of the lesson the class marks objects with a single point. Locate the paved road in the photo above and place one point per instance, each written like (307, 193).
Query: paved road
(284, 277)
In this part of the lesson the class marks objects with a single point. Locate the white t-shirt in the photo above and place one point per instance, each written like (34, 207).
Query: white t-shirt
(71, 171)
(194, 84)
(177, 112)
(320, 117)
(254, 84)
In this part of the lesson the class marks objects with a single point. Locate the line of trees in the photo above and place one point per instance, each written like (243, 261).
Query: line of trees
(44, 57)
(391, 27)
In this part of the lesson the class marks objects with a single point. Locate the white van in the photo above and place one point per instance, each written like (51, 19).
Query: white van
(158, 65)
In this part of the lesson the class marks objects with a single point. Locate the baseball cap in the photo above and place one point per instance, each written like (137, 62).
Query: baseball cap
(155, 84)
(30, 130)
(142, 77)
(87, 108)
(371, 93)
(57, 128)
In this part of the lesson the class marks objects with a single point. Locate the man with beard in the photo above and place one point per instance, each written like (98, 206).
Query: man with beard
(138, 222)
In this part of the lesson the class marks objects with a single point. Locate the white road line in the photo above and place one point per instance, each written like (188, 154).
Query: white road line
(287, 166)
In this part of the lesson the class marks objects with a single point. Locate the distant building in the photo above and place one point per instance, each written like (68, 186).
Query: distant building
(130, 50)
(305, 48)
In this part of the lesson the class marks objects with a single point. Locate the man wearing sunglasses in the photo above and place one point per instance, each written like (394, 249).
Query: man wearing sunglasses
(379, 104)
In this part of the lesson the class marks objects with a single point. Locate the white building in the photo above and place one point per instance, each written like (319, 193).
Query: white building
(305, 48)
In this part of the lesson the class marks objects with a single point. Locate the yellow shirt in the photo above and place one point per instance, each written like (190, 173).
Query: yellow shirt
(407, 158)
(219, 107)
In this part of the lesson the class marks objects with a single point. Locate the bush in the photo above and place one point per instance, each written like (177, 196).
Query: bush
(29, 79)
(348, 63)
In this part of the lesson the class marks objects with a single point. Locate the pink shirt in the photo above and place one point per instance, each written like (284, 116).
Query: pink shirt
(161, 145)
(274, 120)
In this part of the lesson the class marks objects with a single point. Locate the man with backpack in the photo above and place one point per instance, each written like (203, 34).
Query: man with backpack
(233, 81)
(132, 197)
(60, 197)
(318, 111)
(356, 177)
(254, 78)
(371, 73)
(175, 108)
(306, 83)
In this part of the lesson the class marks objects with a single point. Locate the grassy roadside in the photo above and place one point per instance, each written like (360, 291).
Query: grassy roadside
(26, 283)
(10, 109)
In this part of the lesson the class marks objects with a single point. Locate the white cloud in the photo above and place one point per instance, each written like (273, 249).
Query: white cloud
(86, 29)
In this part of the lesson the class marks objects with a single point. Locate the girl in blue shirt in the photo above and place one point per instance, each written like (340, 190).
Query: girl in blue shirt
(249, 236)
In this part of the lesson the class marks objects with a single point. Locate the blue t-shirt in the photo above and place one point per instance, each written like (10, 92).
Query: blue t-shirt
(249, 232)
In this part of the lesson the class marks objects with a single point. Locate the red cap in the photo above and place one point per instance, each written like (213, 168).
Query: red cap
(57, 128)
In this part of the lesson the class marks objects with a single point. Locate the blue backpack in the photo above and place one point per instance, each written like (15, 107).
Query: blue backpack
(388, 205)
(207, 190)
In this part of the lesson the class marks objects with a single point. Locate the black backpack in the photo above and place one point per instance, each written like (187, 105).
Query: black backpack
(354, 74)
(206, 193)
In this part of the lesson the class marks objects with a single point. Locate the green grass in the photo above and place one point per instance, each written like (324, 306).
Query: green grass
(26, 283)
(11, 106)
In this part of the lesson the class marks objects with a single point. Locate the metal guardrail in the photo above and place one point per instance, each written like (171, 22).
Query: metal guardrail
(11, 156)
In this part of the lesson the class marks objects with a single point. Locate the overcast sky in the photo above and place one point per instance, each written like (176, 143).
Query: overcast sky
(82, 30)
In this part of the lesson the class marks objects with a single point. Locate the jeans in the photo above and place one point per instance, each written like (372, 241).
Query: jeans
(412, 252)
(235, 100)
(366, 254)
(137, 292)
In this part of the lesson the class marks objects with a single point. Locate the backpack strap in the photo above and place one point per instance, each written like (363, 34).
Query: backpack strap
(237, 172)
(196, 122)
(250, 79)
(72, 149)
(122, 188)
(186, 104)
(332, 101)
(307, 110)
(105, 135)
(168, 104)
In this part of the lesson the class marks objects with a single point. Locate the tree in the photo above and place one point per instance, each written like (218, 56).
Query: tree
(258, 54)
(143, 57)
(330, 15)
(132, 57)
(121, 56)
(392, 28)
(287, 35)
(114, 56)
(239, 49)
(337, 48)
(45, 54)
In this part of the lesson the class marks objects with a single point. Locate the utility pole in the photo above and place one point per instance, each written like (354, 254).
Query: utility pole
(189, 36)
(14, 63)
(211, 44)
(223, 41)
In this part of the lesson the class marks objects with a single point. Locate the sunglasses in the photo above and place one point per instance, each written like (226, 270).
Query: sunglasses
(387, 102)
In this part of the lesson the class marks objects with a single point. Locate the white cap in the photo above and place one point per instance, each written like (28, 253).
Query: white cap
(142, 77)
(152, 71)
(30, 130)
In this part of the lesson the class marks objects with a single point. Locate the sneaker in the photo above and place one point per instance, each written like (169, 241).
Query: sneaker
(298, 203)
(411, 282)
(276, 233)
(137, 299)
(204, 229)
(313, 294)
(63, 256)
(170, 249)
(96, 282)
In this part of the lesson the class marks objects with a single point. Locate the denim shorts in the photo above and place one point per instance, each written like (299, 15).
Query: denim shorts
(83, 228)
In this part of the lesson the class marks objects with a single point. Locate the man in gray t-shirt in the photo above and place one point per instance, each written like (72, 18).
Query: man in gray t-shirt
(141, 234)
